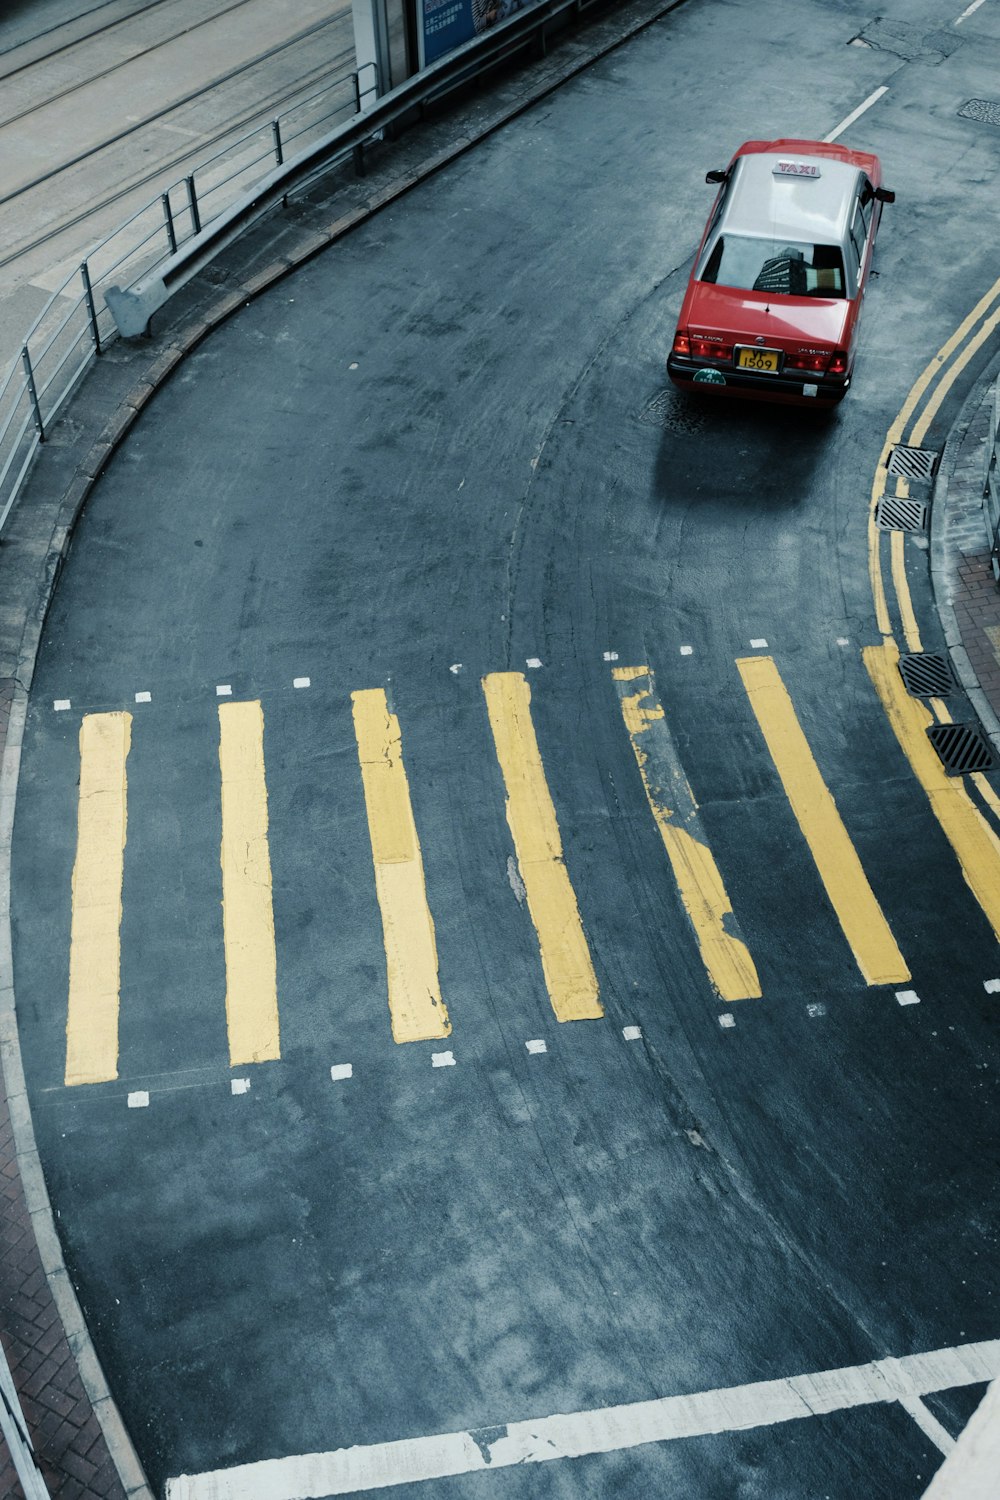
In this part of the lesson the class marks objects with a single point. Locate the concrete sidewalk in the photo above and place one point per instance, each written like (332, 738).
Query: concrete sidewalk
(965, 591)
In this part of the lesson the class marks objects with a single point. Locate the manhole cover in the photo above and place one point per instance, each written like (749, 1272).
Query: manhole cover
(913, 463)
(961, 748)
(892, 513)
(986, 111)
(926, 675)
(673, 412)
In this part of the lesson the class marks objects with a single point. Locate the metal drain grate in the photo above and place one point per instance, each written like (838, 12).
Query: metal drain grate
(673, 412)
(986, 111)
(926, 675)
(961, 748)
(913, 463)
(895, 514)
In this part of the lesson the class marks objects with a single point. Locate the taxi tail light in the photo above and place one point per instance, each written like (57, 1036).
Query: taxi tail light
(682, 343)
(711, 349)
(814, 363)
(838, 362)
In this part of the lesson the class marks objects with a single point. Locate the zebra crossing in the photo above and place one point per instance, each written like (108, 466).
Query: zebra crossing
(110, 739)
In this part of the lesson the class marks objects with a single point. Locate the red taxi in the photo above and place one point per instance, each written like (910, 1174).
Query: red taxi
(772, 307)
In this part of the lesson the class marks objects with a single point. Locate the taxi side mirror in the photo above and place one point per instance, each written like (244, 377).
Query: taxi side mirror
(884, 196)
(716, 175)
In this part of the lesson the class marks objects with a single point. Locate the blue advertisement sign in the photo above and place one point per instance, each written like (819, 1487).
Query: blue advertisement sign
(446, 24)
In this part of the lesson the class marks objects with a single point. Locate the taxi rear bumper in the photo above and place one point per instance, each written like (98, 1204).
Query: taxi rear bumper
(725, 380)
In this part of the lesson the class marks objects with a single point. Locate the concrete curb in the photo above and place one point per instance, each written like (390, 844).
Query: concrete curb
(186, 326)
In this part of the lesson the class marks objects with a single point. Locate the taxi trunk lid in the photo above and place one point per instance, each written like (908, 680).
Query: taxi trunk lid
(791, 324)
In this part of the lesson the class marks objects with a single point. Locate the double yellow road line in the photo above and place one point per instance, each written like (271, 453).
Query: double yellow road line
(960, 816)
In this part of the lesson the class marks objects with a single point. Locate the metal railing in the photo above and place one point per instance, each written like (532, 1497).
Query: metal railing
(76, 325)
(14, 1429)
(991, 483)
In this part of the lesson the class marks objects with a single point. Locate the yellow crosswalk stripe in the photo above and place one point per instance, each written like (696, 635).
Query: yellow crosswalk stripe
(95, 926)
(416, 1009)
(840, 870)
(724, 953)
(247, 910)
(531, 817)
(971, 837)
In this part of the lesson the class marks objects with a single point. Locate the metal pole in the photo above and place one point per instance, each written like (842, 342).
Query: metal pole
(357, 93)
(33, 393)
(279, 155)
(88, 292)
(168, 219)
(193, 204)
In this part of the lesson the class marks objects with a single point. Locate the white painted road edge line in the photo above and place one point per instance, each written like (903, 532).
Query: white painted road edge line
(968, 11)
(856, 113)
(609, 1429)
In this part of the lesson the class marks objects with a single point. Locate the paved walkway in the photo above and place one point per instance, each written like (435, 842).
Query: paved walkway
(967, 594)
(68, 1438)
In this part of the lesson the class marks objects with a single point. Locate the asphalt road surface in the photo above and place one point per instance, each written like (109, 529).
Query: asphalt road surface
(486, 639)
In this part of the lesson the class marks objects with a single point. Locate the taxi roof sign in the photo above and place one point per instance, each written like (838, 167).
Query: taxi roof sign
(796, 169)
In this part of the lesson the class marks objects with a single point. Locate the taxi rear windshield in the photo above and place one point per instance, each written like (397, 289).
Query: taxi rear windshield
(753, 264)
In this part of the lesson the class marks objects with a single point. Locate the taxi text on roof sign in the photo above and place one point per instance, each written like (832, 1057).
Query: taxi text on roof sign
(795, 169)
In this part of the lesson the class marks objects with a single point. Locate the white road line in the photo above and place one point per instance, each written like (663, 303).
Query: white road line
(341, 1070)
(61, 705)
(609, 1429)
(239, 1086)
(856, 113)
(968, 11)
(991, 986)
(143, 697)
(139, 1099)
(928, 1423)
(536, 1047)
(301, 682)
(224, 690)
(907, 997)
(442, 1059)
(631, 1033)
(533, 662)
(687, 650)
(727, 1021)
(758, 644)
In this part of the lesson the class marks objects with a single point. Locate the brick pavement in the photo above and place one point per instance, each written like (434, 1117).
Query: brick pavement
(64, 1429)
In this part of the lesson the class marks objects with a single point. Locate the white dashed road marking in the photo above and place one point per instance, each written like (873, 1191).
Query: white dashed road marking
(341, 1070)
(224, 690)
(907, 997)
(536, 1046)
(138, 1100)
(442, 1059)
(61, 705)
(143, 697)
(631, 1033)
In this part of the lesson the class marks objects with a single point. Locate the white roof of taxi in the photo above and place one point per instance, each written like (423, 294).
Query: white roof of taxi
(762, 201)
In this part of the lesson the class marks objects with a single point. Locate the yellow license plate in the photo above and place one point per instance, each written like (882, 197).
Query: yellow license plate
(767, 360)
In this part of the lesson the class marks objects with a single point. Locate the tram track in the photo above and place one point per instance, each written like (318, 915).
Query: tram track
(52, 232)
(92, 77)
(159, 115)
(141, 10)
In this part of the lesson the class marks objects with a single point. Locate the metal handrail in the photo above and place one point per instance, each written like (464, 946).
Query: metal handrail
(15, 1430)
